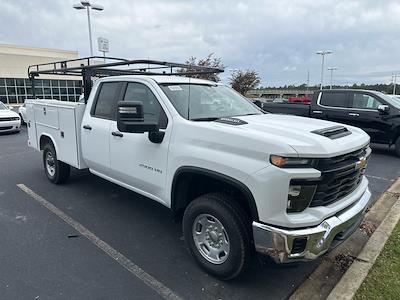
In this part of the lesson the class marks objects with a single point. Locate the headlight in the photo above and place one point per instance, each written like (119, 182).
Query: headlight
(299, 197)
(14, 118)
(291, 162)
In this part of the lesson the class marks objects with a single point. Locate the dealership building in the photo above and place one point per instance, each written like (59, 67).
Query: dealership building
(15, 85)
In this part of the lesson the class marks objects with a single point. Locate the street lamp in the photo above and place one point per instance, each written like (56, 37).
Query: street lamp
(394, 77)
(323, 53)
(332, 69)
(87, 5)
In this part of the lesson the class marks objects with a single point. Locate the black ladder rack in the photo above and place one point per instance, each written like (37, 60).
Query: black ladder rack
(92, 66)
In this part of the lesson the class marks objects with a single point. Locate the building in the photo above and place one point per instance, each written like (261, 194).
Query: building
(15, 85)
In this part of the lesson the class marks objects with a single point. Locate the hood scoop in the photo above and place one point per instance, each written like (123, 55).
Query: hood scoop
(231, 121)
(334, 132)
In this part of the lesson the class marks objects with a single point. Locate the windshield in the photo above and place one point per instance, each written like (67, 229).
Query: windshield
(391, 100)
(2, 106)
(200, 102)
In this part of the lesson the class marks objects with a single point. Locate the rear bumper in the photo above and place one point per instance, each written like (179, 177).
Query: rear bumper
(287, 245)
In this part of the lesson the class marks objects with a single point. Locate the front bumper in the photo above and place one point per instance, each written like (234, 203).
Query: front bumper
(10, 126)
(289, 245)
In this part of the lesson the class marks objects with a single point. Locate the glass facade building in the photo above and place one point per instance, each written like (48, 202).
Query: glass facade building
(16, 90)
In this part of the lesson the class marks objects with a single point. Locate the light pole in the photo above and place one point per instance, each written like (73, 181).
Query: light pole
(323, 53)
(332, 69)
(87, 5)
(394, 77)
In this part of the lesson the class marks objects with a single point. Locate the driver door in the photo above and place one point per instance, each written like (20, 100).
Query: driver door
(135, 160)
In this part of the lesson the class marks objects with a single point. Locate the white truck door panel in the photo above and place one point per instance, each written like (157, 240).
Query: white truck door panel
(31, 125)
(138, 162)
(95, 128)
(134, 159)
(95, 143)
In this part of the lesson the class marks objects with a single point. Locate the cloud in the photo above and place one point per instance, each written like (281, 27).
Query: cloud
(273, 37)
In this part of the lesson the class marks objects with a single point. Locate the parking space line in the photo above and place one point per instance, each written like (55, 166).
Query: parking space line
(146, 278)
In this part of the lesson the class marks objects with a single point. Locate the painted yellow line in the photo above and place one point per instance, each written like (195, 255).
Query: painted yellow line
(146, 278)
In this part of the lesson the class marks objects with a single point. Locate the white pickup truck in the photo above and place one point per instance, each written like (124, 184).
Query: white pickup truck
(242, 180)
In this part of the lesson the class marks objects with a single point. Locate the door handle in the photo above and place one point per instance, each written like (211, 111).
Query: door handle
(88, 127)
(317, 112)
(354, 115)
(117, 133)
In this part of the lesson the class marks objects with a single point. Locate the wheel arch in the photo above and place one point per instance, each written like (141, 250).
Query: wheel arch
(206, 180)
(44, 139)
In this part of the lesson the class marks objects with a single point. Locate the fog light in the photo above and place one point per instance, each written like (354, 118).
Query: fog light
(299, 197)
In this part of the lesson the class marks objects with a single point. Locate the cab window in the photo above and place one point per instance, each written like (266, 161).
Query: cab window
(152, 109)
(333, 99)
(364, 101)
(106, 100)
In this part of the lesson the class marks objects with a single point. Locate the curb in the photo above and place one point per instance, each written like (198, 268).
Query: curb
(353, 278)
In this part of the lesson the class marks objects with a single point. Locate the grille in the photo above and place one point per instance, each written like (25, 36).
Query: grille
(5, 128)
(339, 177)
(5, 119)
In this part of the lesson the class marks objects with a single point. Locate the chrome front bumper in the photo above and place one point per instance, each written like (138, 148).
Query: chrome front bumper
(289, 245)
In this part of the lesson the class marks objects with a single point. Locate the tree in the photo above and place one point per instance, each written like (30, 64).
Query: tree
(244, 81)
(209, 61)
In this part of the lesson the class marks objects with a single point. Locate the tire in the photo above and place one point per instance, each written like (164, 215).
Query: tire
(397, 147)
(221, 212)
(22, 120)
(56, 171)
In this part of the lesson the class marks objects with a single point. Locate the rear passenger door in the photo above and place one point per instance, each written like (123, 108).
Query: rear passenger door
(95, 131)
(332, 106)
(363, 113)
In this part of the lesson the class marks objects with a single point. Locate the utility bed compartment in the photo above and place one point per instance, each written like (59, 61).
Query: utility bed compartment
(60, 121)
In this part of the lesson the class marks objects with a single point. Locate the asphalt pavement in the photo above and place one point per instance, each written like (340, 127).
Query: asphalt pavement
(43, 257)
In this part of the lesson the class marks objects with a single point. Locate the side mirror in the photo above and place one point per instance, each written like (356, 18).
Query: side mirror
(383, 109)
(130, 118)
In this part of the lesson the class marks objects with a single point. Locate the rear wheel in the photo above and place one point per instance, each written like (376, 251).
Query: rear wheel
(216, 231)
(56, 171)
(397, 146)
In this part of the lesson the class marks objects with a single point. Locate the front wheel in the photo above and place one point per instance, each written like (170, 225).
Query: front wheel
(216, 231)
(56, 171)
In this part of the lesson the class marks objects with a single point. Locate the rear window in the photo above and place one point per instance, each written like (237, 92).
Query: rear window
(333, 99)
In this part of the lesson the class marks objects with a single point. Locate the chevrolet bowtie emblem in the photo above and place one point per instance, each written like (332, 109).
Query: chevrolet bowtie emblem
(361, 164)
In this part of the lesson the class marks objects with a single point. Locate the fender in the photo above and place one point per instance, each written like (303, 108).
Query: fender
(52, 140)
(219, 176)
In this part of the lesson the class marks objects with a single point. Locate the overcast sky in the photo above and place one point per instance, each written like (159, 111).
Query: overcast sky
(277, 38)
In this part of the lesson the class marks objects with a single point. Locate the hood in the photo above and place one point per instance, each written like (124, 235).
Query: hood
(8, 113)
(308, 137)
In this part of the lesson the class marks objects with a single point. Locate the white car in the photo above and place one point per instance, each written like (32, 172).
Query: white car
(22, 113)
(9, 120)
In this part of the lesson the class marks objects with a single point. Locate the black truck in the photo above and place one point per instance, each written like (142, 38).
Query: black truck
(374, 112)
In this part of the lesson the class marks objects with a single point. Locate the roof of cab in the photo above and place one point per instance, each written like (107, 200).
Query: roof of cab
(161, 79)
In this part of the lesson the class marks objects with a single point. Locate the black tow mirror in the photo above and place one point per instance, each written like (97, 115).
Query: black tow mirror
(383, 109)
(130, 118)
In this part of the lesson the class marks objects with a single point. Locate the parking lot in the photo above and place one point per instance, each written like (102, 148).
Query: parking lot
(42, 257)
